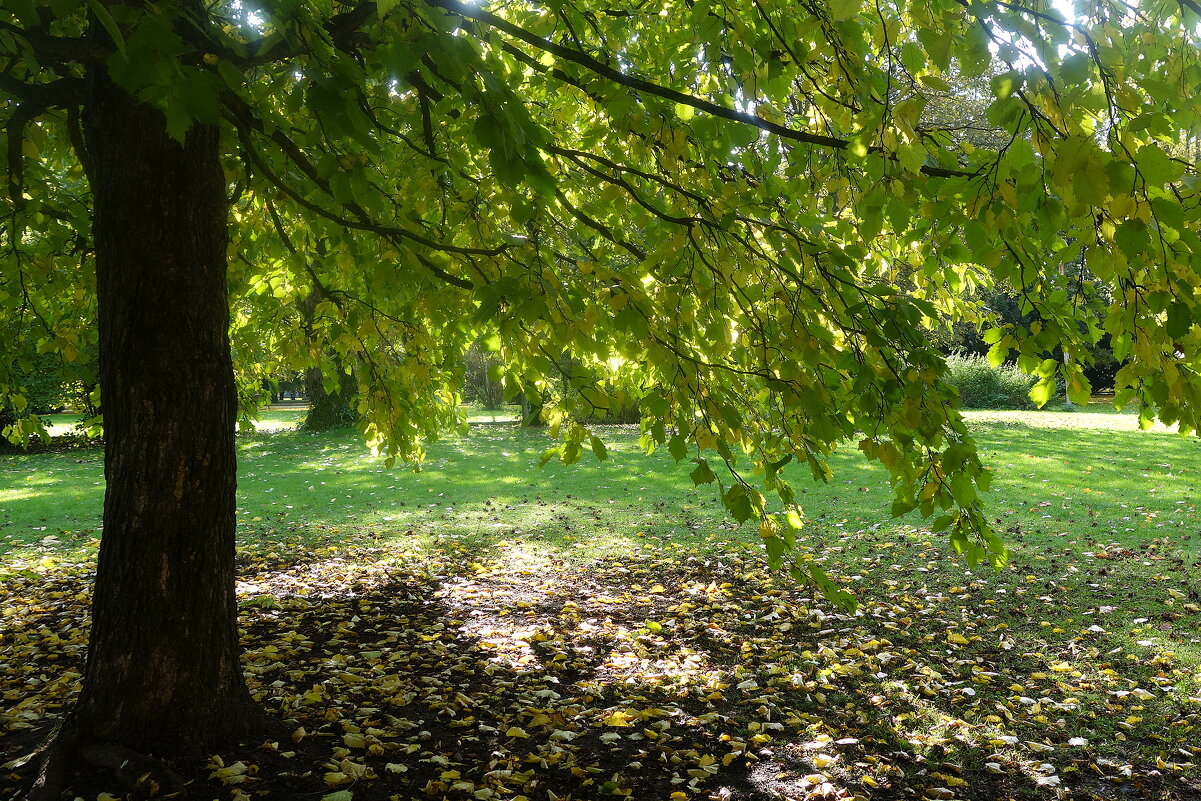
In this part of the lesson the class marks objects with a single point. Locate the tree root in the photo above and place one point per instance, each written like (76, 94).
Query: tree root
(136, 772)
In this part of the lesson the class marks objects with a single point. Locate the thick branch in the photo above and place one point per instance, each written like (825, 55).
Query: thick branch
(36, 99)
(600, 227)
(61, 93)
(15, 132)
(650, 88)
(62, 49)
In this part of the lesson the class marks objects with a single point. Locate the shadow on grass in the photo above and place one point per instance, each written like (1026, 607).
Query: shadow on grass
(636, 678)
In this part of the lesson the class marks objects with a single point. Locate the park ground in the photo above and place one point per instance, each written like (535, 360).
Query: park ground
(484, 629)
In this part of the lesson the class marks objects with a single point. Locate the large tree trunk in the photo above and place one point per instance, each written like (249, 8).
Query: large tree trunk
(163, 672)
(329, 409)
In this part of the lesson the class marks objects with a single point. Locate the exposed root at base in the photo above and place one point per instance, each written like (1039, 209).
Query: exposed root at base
(58, 759)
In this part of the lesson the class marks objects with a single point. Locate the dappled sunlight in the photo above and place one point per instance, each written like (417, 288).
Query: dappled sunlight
(520, 673)
(269, 423)
(483, 626)
(1110, 420)
(10, 496)
(43, 481)
(487, 486)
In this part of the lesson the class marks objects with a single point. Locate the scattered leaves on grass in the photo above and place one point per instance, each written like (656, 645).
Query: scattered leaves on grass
(669, 674)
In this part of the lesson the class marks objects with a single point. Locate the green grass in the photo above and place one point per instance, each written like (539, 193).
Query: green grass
(1081, 481)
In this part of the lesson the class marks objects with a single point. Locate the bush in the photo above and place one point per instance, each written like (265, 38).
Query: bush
(982, 386)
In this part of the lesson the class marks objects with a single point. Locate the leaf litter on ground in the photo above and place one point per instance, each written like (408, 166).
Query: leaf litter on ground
(671, 673)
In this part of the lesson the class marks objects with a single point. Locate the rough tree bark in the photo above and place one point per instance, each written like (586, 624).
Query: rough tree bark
(163, 674)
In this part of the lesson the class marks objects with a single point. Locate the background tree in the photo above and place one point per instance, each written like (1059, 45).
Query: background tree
(706, 205)
(479, 382)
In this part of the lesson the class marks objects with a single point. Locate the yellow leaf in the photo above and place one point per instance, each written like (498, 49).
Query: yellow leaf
(516, 731)
(618, 718)
(234, 774)
(957, 638)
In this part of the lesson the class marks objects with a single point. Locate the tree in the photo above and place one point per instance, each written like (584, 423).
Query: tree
(706, 205)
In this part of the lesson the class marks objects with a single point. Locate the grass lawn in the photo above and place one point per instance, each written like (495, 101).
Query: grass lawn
(602, 630)
(1078, 481)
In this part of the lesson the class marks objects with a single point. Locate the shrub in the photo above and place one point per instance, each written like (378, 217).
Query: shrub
(982, 386)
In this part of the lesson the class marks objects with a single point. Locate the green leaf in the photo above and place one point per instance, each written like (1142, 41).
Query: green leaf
(963, 489)
(775, 548)
(599, 448)
(178, 120)
(1132, 238)
(1042, 392)
(936, 83)
(677, 446)
(702, 474)
(26, 11)
(106, 20)
(1180, 320)
(844, 9)
(1078, 165)
(65, 8)
(830, 589)
(902, 506)
(738, 503)
(1079, 390)
(777, 466)
(1005, 84)
(199, 97)
(1075, 69)
(937, 44)
(1156, 166)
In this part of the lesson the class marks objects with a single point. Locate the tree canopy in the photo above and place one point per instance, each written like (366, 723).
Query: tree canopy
(743, 216)
(711, 206)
